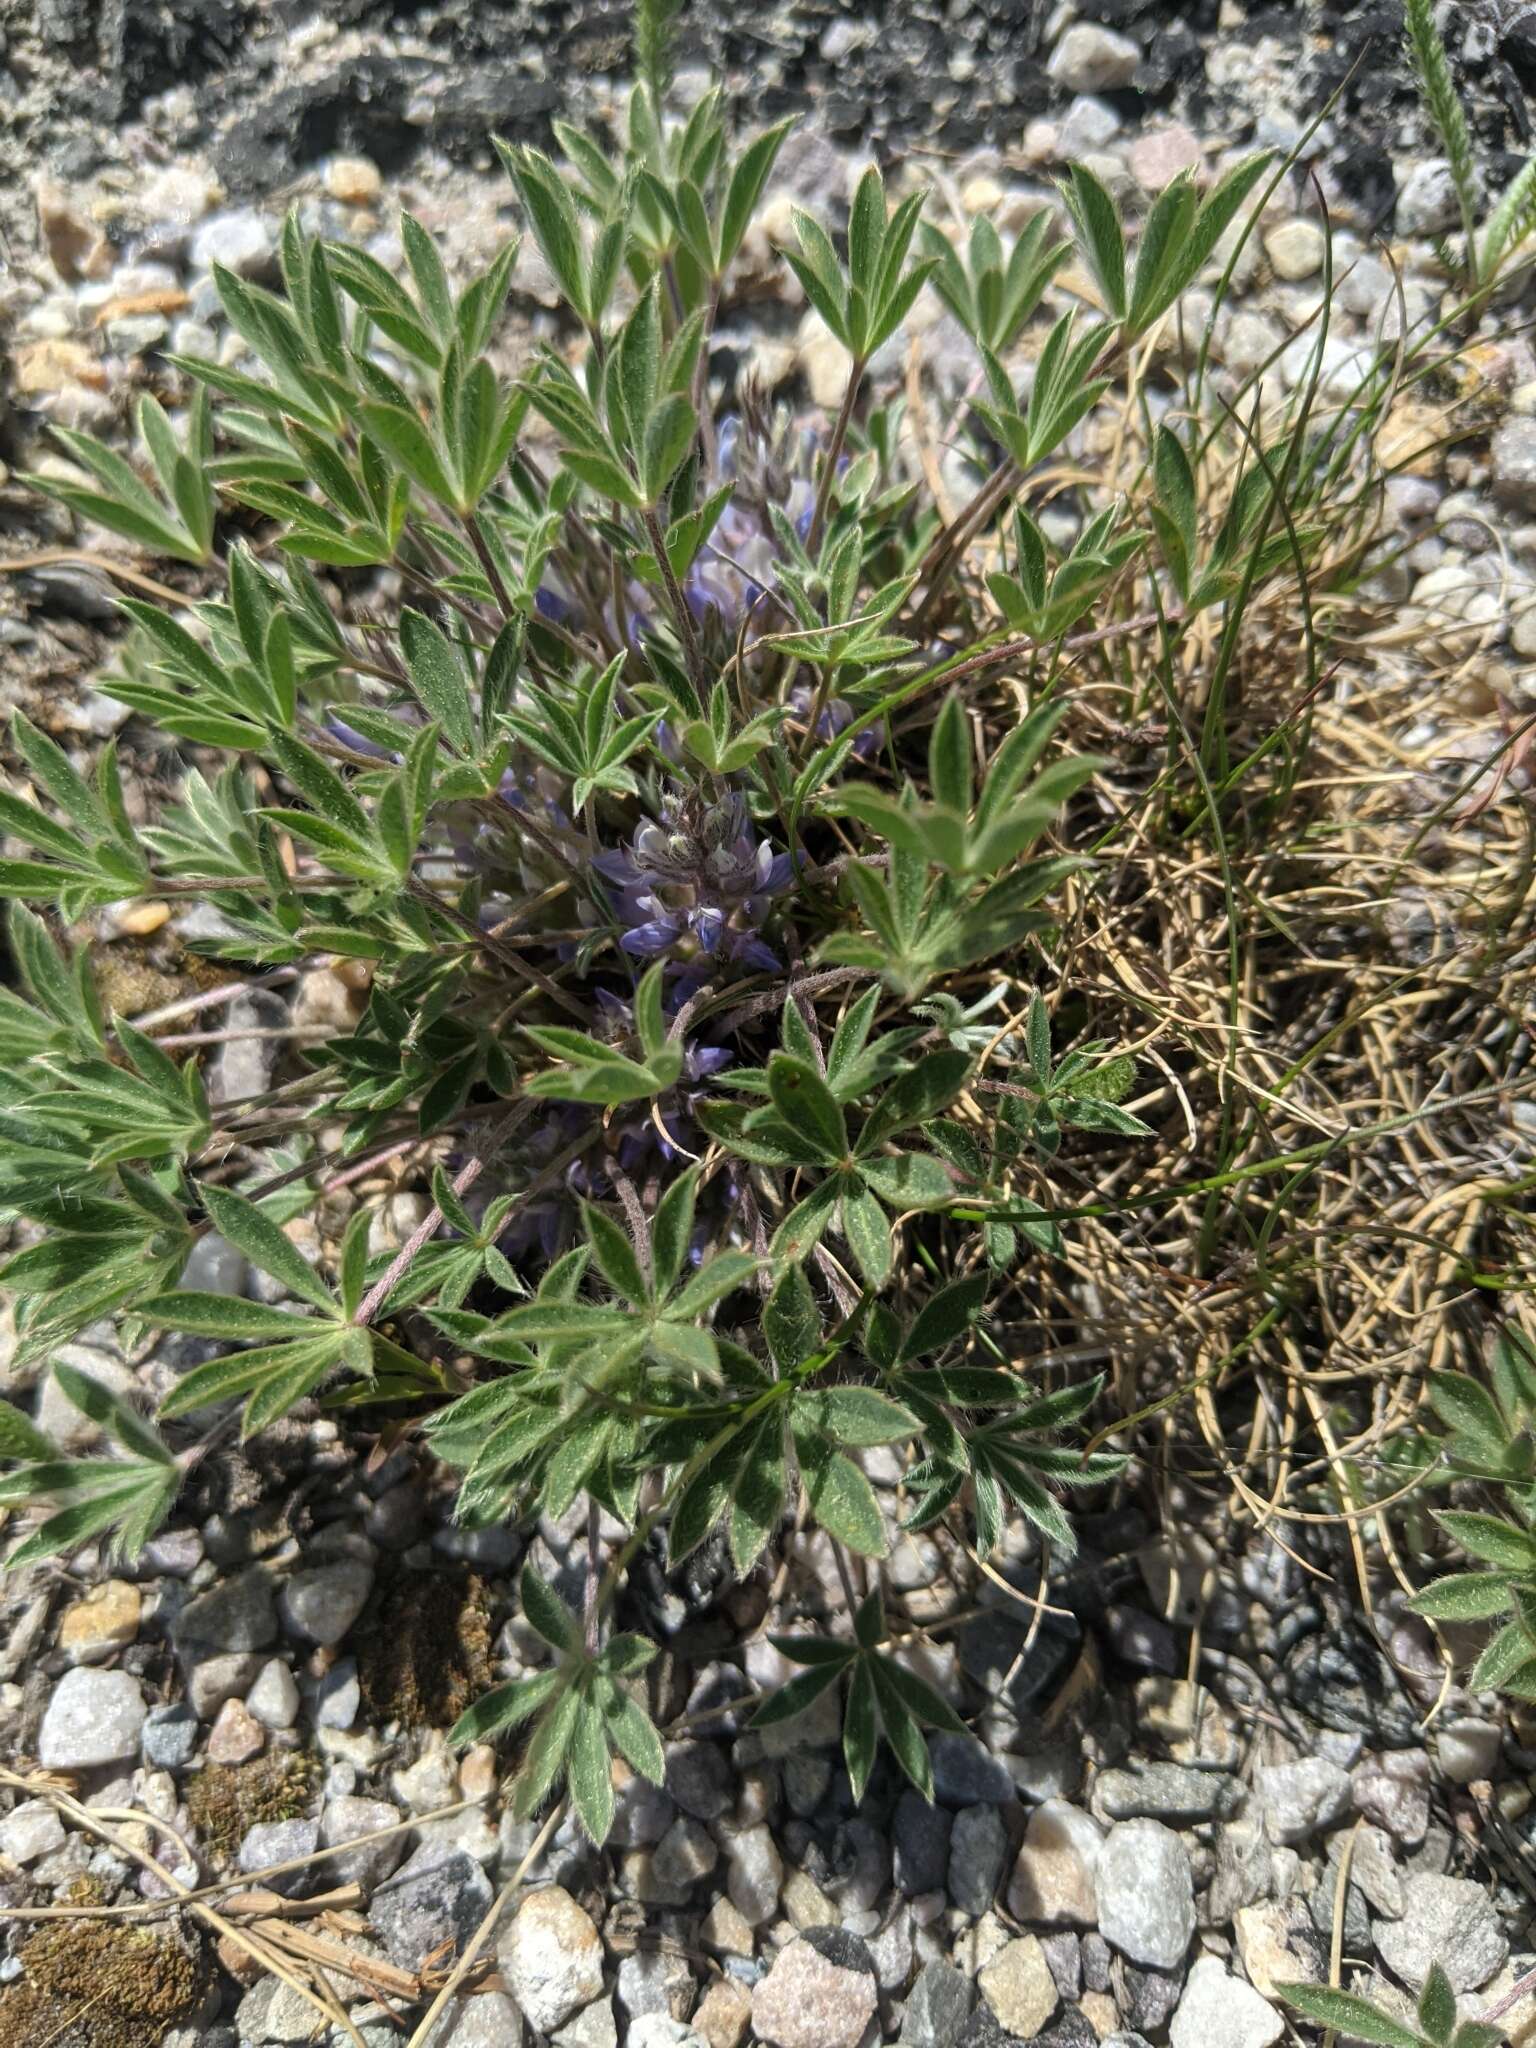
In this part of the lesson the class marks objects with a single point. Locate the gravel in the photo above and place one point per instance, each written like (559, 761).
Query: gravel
(432, 1904)
(1299, 1798)
(1054, 1879)
(921, 1836)
(819, 1993)
(1219, 2010)
(320, 1604)
(347, 1817)
(1018, 1986)
(1145, 1893)
(1449, 1920)
(93, 1717)
(938, 2005)
(965, 1774)
(274, 1698)
(552, 1958)
(755, 1874)
(978, 1856)
(1092, 59)
(1169, 1792)
(29, 1831)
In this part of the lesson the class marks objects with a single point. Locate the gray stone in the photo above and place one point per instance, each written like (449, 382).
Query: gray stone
(236, 1614)
(94, 1717)
(861, 1864)
(173, 1554)
(1469, 1749)
(938, 2005)
(1052, 1772)
(1393, 1791)
(274, 2015)
(343, 1821)
(700, 1779)
(277, 1841)
(1219, 2010)
(319, 1604)
(593, 2027)
(1426, 200)
(1098, 1960)
(433, 1902)
(30, 1830)
(921, 1834)
(1147, 1998)
(1245, 1863)
(1299, 1798)
(661, 2030)
(1089, 127)
(807, 1776)
(274, 1699)
(1248, 341)
(1142, 1640)
(642, 1813)
(1279, 1945)
(487, 2020)
(552, 1958)
(685, 1853)
(978, 1856)
(244, 1065)
(338, 1695)
(755, 1874)
(1295, 249)
(215, 1267)
(1449, 1920)
(239, 240)
(1169, 1792)
(985, 2030)
(1145, 1892)
(1321, 1902)
(1374, 1868)
(820, 1992)
(213, 1680)
(169, 1737)
(1514, 464)
(965, 1774)
(890, 1947)
(1064, 1954)
(655, 1980)
(1088, 58)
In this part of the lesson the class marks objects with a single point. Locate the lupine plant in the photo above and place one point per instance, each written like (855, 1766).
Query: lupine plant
(641, 753)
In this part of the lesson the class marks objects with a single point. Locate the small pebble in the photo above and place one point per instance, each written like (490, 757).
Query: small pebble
(354, 180)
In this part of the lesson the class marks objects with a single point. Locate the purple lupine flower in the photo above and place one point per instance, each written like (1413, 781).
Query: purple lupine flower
(697, 885)
(769, 462)
(553, 601)
(835, 714)
(533, 789)
(349, 736)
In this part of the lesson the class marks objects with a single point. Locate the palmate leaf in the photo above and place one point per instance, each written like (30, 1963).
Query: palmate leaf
(586, 1713)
